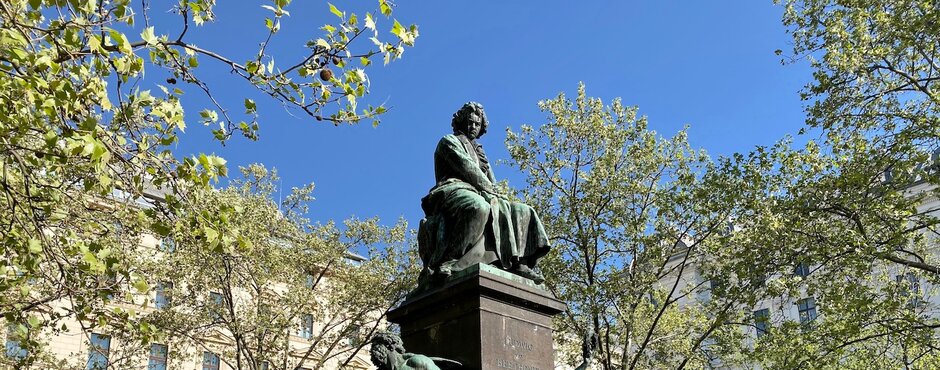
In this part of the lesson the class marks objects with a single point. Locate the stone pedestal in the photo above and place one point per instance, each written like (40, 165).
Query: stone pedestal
(483, 317)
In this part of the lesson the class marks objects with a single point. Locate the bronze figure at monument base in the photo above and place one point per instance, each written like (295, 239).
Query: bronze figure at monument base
(388, 353)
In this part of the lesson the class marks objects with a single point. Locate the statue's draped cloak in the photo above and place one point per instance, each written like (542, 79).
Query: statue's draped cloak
(517, 232)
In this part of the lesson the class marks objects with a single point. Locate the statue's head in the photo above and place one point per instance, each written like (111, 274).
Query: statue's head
(470, 117)
(384, 346)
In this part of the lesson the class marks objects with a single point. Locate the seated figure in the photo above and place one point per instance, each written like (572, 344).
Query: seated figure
(466, 220)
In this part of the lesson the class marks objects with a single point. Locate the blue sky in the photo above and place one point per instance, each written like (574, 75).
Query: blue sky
(709, 65)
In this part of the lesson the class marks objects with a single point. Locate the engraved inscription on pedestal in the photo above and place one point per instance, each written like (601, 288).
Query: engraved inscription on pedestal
(520, 340)
(520, 353)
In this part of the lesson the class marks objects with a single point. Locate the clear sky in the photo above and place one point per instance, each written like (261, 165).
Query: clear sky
(710, 65)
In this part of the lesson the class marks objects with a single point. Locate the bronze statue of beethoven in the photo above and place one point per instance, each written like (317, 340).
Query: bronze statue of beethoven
(467, 220)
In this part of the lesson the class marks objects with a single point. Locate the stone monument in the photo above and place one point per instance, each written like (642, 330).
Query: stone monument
(479, 299)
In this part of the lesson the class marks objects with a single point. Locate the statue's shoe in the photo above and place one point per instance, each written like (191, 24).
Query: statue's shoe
(446, 269)
(528, 273)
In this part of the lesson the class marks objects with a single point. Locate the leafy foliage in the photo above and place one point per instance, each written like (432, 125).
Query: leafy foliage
(270, 273)
(630, 214)
(857, 204)
(86, 129)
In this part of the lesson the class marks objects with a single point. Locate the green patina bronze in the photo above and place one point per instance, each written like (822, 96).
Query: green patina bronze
(388, 353)
(467, 221)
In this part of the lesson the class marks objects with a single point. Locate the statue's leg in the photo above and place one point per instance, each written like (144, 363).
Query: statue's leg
(531, 239)
(470, 213)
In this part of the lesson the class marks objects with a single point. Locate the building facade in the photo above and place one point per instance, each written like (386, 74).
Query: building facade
(77, 344)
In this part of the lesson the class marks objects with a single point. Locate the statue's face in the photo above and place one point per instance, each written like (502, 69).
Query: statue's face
(380, 356)
(474, 125)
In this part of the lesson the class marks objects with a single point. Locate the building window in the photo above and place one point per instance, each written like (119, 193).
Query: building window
(716, 286)
(163, 296)
(210, 361)
(353, 334)
(758, 278)
(309, 281)
(98, 349)
(802, 269)
(215, 306)
(807, 308)
(167, 244)
(306, 326)
(910, 288)
(15, 339)
(158, 353)
(117, 229)
(109, 285)
(762, 321)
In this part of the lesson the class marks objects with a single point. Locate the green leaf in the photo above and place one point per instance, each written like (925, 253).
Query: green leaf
(94, 44)
(370, 23)
(385, 8)
(51, 138)
(148, 36)
(273, 9)
(335, 11)
(35, 246)
(89, 6)
(209, 115)
(398, 30)
(216, 161)
(90, 259)
(34, 321)
(141, 286)
(98, 151)
(212, 236)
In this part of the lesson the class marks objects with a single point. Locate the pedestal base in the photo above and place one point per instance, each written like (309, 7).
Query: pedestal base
(483, 317)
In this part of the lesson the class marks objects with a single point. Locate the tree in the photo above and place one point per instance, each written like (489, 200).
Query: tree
(876, 68)
(875, 99)
(262, 285)
(630, 215)
(853, 205)
(85, 136)
(270, 275)
(821, 227)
